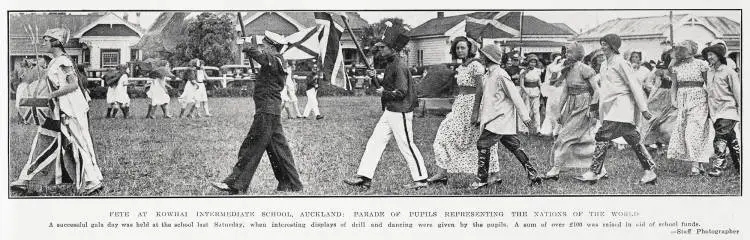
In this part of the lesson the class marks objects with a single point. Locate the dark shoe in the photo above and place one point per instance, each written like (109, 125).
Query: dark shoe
(535, 180)
(416, 185)
(19, 185)
(318, 117)
(715, 172)
(359, 181)
(443, 180)
(224, 187)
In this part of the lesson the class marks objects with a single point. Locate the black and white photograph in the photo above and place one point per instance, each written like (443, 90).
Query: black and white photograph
(361, 103)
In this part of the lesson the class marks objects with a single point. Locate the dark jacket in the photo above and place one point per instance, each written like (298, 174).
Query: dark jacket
(270, 81)
(399, 93)
(312, 81)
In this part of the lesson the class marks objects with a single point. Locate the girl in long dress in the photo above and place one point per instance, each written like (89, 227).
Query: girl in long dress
(455, 142)
(531, 79)
(188, 97)
(656, 133)
(692, 136)
(158, 92)
(574, 145)
(63, 144)
(552, 88)
(201, 96)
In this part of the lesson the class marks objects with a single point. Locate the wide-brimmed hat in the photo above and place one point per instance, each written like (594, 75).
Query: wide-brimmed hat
(717, 49)
(59, 34)
(493, 53)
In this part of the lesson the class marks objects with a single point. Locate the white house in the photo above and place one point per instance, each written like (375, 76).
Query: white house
(430, 42)
(646, 34)
(97, 40)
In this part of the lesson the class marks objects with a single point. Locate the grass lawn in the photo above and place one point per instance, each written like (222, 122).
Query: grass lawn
(180, 157)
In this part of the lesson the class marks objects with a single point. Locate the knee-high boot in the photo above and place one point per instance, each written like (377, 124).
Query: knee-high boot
(600, 154)
(644, 158)
(734, 152)
(484, 164)
(530, 171)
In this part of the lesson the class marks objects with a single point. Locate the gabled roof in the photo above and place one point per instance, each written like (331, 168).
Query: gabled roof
(17, 21)
(107, 18)
(532, 25)
(307, 19)
(565, 27)
(658, 26)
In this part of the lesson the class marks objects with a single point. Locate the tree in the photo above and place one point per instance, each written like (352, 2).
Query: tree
(210, 37)
(374, 32)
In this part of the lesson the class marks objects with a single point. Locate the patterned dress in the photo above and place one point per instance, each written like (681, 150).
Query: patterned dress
(693, 134)
(455, 144)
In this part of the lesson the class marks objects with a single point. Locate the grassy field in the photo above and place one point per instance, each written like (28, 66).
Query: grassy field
(180, 157)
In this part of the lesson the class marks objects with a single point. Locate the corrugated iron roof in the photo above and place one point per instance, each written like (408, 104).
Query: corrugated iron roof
(656, 25)
(531, 24)
(17, 21)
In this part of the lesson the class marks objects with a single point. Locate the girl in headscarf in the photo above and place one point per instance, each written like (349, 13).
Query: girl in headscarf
(64, 140)
(621, 103)
(574, 146)
(455, 141)
(692, 136)
(531, 78)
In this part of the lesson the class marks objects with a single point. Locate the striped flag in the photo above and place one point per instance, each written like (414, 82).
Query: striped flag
(331, 56)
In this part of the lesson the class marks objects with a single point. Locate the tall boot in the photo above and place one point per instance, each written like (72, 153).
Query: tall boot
(125, 111)
(600, 154)
(483, 164)
(530, 171)
(647, 163)
(644, 158)
(164, 110)
(734, 152)
(721, 152)
(109, 112)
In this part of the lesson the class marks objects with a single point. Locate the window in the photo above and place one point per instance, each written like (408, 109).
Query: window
(133, 54)
(420, 57)
(86, 55)
(110, 58)
(74, 58)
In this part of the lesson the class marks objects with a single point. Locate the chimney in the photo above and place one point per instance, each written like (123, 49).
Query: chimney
(137, 19)
(440, 14)
(125, 16)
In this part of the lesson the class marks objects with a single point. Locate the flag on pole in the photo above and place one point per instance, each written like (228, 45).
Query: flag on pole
(331, 57)
(302, 45)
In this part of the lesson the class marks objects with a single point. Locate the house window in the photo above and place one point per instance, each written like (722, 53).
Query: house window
(133, 54)
(86, 55)
(110, 58)
(74, 58)
(420, 57)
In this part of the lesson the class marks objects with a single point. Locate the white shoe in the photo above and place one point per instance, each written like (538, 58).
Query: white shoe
(603, 174)
(588, 177)
(649, 177)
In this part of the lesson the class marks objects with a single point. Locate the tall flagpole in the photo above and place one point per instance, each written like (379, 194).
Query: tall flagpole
(520, 26)
(671, 29)
(359, 48)
(252, 40)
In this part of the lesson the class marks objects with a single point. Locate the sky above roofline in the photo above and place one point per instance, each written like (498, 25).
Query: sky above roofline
(583, 21)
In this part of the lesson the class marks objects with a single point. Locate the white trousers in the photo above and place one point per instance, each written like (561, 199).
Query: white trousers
(312, 103)
(397, 125)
